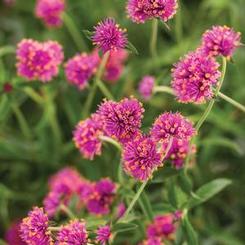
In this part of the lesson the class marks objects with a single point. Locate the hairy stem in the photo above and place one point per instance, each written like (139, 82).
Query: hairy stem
(163, 89)
(68, 212)
(231, 101)
(153, 42)
(111, 141)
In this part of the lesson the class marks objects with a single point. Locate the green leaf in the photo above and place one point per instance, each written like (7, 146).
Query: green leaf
(146, 206)
(88, 34)
(191, 234)
(123, 227)
(185, 183)
(172, 194)
(132, 48)
(207, 191)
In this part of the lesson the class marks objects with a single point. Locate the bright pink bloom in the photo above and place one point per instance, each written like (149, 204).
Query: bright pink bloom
(74, 233)
(173, 125)
(34, 228)
(146, 87)
(220, 40)
(109, 36)
(163, 226)
(12, 236)
(63, 185)
(38, 61)
(178, 152)
(114, 66)
(86, 137)
(103, 234)
(50, 11)
(122, 120)
(81, 68)
(101, 197)
(194, 77)
(140, 158)
(141, 10)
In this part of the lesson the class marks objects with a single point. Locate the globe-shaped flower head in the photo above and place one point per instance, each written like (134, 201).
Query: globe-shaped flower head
(109, 36)
(172, 125)
(74, 233)
(220, 40)
(38, 61)
(103, 234)
(80, 69)
(121, 120)
(140, 158)
(146, 87)
(86, 137)
(194, 77)
(141, 10)
(34, 228)
(50, 11)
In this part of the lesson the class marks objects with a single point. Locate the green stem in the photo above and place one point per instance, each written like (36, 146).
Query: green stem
(98, 76)
(7, 50)
(136, 197)
(111, 141)
(68, 212)
(231, 101)
(51, 228)
(33, 95)
(71, 27)
(164, 89)
(211, 103)
(22, 122)
(153, 42)
(178, 25)
(104, 90)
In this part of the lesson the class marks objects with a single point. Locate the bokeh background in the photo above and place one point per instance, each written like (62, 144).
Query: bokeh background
(28, 160)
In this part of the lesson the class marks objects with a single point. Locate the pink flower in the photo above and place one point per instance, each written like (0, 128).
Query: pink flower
(146, 87)
(103, 234)
(101, 197)
(178, 152)
(34, 228)
(109, 36)
(50, 11)
(38, 61)
(121, 209)
(12, 236)
(121, 120)
(114, 66)
(74, 233)
(163, 226)
(140, 158)
(63, 185)
(81, 68)
(86, 137)
(220, 40)
(141, 10)
(173, 125)
(194, 77)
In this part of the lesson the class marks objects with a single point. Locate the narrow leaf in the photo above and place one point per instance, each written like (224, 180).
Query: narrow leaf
(191, 235)
(123, 227)
(132, 48)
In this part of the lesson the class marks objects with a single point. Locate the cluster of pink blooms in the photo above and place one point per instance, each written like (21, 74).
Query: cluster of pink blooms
(109, 36)
(12, 236)
(162, 228)
(81, 68)
(141, 10)
(142, 154)
(195, 75)
(50, 11)
(97, 197)
(38, 61)
(146, 87)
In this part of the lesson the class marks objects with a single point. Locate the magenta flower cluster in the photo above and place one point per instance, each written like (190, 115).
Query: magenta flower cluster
(81, 68)
(196, 75)
(50, 12)
(162, 228)
(103, 234)
(141, 10)
(38, 61)
(12, 236)
(73, 233)
(146, 87)
(109, 36)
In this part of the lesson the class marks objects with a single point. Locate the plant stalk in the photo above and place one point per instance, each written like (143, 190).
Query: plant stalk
(153, 42)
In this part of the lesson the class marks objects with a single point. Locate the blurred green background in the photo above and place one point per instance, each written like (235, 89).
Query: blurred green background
(28, 156)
